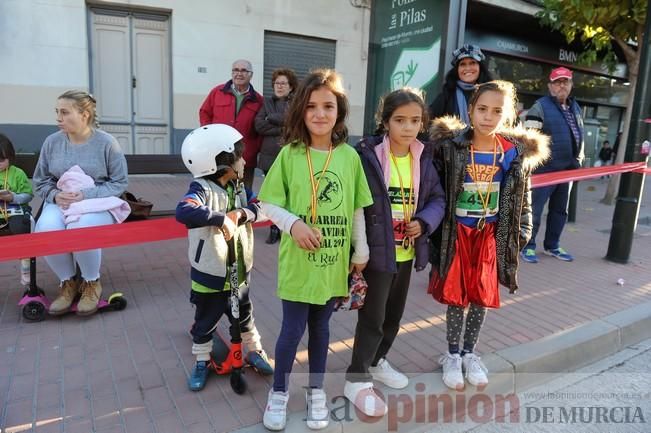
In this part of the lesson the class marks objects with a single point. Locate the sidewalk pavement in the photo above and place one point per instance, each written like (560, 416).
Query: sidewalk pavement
(126, 371)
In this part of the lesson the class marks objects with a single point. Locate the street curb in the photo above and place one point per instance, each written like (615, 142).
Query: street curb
(516, 368)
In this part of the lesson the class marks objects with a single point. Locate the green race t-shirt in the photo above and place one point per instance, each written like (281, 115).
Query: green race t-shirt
(315, 277)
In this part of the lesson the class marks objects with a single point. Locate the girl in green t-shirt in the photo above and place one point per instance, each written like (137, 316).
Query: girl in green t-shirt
(314, 192)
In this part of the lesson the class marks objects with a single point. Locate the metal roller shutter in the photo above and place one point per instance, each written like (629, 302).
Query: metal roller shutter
(301, 53)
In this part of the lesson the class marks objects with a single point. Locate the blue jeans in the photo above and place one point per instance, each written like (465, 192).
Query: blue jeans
(558, 197)
(296, 315)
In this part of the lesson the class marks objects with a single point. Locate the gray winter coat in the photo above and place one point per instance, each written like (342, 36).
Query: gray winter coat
(269, 123)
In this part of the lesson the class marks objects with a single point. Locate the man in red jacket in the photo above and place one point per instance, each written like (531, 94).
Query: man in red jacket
(235, 103)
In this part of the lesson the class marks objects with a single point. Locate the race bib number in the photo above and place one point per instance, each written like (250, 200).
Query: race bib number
(399, 226)
(469, 202)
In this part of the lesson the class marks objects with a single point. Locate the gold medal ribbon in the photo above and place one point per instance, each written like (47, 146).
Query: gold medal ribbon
(4, 212)
(315, 185)
(407, 203)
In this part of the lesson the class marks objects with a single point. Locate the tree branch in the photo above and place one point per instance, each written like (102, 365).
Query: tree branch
(629, 52)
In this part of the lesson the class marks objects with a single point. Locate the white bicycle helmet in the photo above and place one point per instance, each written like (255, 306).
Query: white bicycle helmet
(202, 145)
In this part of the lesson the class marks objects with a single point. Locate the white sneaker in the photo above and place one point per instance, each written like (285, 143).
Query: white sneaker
(275, 414)
(318, 414)
(364, 398)
(452, 374)
(388, 376)
(475, 370)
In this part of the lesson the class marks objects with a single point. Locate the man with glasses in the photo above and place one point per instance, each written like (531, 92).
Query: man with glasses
(559, 116)
(236, 103)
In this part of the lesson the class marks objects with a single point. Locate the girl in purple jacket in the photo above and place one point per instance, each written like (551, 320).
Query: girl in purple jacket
(408, 205)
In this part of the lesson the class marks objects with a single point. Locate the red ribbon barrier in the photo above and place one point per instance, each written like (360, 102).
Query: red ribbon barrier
(162, 229)
(88, 238)
(556, 177)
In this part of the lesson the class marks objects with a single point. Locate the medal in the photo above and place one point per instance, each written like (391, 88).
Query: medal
(481, 223)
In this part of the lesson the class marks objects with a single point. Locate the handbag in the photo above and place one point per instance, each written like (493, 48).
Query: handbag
(140, 209)
(357, 288)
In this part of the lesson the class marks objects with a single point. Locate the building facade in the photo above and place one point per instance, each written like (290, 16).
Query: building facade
(150, 63)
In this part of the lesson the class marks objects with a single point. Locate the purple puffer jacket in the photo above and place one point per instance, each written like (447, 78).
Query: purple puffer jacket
(379, 230)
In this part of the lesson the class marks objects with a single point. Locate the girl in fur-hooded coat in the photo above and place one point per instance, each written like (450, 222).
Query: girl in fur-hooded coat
(452, 138)
(485, 169)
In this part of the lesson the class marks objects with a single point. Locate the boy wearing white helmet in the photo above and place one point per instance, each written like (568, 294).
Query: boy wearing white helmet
(216, 209)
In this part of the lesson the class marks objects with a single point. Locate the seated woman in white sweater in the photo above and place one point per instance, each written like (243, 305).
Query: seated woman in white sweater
(78, 142)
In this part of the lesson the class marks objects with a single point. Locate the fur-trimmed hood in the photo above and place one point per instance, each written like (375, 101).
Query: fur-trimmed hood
(535, 145)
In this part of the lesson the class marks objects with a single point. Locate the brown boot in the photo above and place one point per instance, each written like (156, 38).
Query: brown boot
(61, 305)
(90, 294)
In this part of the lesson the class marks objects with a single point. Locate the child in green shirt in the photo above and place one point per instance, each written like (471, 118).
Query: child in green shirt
(15, 191)
(15, 194)
(314, 192)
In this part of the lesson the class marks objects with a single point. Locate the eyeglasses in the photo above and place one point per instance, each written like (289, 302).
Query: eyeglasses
(562, 82)
(281, 83)
(240, 71)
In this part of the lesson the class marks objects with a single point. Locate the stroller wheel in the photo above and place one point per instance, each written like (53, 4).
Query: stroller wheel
(34, 311)
(118, 302)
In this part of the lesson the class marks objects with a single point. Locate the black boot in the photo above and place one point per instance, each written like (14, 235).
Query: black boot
(274, 235)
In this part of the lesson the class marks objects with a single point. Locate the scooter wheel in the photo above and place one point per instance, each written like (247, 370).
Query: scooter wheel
(118, 303)
(238, 383)
(34, 311)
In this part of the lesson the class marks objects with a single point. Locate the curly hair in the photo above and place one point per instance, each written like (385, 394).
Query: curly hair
(287, 72)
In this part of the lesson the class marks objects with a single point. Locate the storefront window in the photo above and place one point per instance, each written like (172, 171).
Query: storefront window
(530, 78)
(603, 99)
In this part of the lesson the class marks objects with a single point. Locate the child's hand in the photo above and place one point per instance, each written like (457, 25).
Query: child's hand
(357, 267)
(413, 229)
(6, 195)
(305, 237)
(235, 216)
(228, 227)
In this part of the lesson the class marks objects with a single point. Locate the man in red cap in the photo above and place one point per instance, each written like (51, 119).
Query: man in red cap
(559, 116)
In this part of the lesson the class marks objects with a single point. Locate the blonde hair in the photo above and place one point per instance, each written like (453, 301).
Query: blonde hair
(83, 102)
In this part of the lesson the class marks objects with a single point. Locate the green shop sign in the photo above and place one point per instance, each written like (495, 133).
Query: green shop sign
(404, 49)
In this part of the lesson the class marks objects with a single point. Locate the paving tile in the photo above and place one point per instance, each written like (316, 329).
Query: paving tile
(126, 371)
